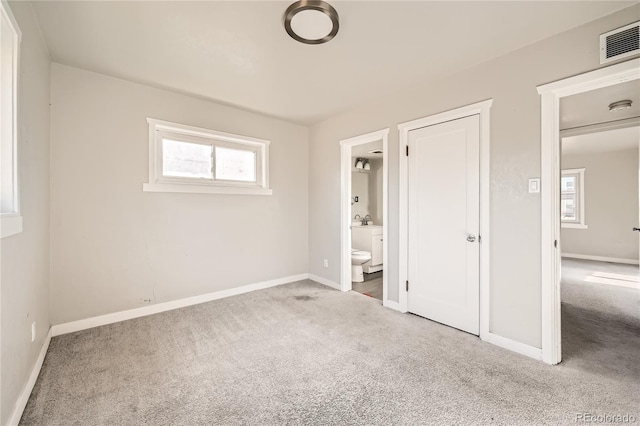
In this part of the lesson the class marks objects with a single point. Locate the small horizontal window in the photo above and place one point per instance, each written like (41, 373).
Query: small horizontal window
(191, 159)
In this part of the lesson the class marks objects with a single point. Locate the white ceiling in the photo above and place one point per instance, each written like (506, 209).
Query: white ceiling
(238, 53)
(611, 140)
(592, 107)
(362, 151)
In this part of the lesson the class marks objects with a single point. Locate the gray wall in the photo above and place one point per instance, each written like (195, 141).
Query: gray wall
(24, 276)
(511, 81)
(611, 205)
(368, 187)
(360, 188)
(375, 192)
(113, 245)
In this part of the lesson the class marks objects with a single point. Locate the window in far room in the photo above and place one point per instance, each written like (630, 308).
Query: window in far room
(572, 199)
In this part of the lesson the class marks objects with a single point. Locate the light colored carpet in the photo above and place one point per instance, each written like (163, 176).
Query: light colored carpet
(601, 317)
(303, 353)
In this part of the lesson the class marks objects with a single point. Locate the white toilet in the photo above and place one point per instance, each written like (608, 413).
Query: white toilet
(358, 258)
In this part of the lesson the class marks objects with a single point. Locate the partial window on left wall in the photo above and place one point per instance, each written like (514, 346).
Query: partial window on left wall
(10, 219)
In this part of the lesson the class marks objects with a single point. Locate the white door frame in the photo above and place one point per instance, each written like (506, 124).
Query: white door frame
(482, 109)
(550, 189)
(346, 146)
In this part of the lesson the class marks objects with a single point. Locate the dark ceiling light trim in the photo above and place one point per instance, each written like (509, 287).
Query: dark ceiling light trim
(620, 105)
(318, 5)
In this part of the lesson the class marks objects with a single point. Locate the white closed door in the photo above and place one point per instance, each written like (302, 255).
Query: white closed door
(444, 222)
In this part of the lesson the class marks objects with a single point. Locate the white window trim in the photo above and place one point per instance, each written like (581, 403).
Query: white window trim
(582, 223)
(159, 183)
(11, 223)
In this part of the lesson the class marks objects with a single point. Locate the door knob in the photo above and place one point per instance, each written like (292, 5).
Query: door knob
(471, 238)
(636, 229)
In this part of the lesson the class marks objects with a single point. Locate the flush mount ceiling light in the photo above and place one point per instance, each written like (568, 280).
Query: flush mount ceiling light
(620, 105)
(311, 21)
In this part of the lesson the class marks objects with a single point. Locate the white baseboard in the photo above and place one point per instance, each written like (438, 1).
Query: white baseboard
(391, 305)
(512, 345)
(325, 281)
(601, 258)
(21, 403)
(83, 324)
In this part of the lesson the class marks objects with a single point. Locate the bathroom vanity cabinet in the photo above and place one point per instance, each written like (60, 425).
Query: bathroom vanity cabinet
(368, 238)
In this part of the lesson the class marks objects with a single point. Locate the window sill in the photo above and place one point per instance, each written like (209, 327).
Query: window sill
(205, 189)
(10, 225)
(574, 225)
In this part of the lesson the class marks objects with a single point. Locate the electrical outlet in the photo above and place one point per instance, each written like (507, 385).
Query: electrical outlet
(326, 263)
(33, 331)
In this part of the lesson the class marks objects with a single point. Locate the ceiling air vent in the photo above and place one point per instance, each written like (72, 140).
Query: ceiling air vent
(620, 43)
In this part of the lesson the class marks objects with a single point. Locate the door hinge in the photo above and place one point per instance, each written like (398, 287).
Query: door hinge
(555, 243)
(407, 150)
(407, 284)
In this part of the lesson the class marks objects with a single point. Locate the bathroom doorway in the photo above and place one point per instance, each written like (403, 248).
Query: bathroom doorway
(364, 189)
(367, 223)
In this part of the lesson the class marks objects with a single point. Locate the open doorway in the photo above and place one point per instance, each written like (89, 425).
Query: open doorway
(583, 312)
(367, 219)
(364, 213)
(599, 212)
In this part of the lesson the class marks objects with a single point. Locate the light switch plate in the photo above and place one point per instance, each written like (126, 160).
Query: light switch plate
(534, 185)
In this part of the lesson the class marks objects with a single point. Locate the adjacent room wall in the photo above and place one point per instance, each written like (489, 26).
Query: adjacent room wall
(24, 276)
(113, 245)
(511, 82)
(368, 187)
(375, 191)
(611, 205)
(360, 188)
